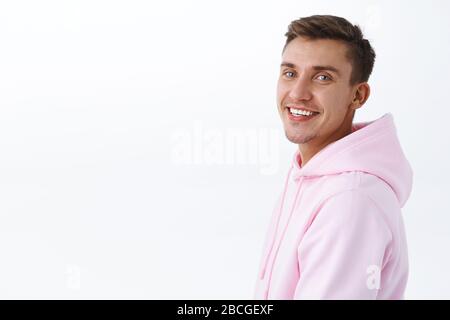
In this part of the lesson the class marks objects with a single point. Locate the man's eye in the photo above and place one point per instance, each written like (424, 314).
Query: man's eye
(288, 72)
(322, 77)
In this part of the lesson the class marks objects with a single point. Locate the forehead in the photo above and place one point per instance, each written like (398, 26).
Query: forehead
(305, 53)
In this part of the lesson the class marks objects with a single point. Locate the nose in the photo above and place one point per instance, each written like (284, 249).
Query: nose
(301, 89)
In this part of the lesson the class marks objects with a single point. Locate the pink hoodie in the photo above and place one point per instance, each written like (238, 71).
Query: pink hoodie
(337, 231)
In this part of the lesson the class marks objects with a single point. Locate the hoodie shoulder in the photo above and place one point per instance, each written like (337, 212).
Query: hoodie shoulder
(363, 189)
(354, 205)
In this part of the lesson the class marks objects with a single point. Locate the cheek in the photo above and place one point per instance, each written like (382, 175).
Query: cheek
(280, 91)
(279, 97)
(333, 100)
(283, 87)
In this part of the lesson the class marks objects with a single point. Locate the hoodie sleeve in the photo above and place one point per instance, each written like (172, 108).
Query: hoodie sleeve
(343, 251)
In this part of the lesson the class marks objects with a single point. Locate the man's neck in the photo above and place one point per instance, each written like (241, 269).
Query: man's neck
(308, 150)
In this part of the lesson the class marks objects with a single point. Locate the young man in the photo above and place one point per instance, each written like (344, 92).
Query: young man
(336, 231)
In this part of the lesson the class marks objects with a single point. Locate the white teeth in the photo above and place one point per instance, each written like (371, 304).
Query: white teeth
(297, 112)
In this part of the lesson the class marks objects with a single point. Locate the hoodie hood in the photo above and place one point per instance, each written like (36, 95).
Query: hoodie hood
(372, 147)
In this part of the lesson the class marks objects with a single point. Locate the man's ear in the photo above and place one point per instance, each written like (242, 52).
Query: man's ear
(361, 95)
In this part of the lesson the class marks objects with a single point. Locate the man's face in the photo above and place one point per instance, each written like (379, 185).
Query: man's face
(309, 82)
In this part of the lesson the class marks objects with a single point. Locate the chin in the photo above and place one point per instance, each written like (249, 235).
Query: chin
(298, 139)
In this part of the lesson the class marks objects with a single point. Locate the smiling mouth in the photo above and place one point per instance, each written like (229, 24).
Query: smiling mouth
(301, 113)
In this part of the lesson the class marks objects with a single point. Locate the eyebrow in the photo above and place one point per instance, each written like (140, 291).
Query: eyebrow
(317, 68)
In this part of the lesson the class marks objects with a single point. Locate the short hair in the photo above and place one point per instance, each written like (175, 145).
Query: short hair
(360, 53)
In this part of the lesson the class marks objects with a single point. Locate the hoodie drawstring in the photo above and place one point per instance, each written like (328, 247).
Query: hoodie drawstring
(263, 271)
(284, 232)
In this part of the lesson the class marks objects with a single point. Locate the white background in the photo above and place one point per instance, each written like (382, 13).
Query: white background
(93, 94)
